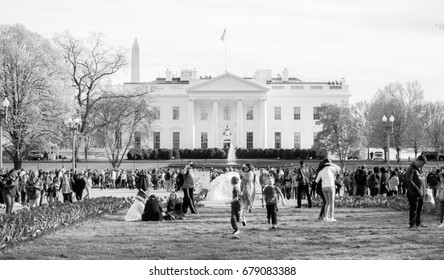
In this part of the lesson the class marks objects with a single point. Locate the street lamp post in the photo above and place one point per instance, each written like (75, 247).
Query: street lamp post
(388, 126)
(74, 126)
(3, 118)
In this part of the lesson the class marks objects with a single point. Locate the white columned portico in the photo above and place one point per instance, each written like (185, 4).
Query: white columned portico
(215, 122)
(239, 124)
(263, 130)
(192, 124)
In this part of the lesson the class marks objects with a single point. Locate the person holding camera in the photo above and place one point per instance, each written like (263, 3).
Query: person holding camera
(188, 189)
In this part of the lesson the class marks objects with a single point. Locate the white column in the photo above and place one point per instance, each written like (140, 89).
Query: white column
(215, 123)
(239, 133)
(264, 118)
(192, 124)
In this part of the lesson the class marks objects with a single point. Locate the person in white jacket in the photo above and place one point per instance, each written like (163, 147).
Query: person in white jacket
(327, 175)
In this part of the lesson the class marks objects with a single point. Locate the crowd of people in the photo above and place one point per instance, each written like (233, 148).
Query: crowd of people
(29, 188)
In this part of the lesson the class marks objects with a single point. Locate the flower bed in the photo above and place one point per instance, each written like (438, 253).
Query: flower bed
(397, 202)
(29, 223)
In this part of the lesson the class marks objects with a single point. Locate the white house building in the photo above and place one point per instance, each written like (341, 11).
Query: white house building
(247, 112)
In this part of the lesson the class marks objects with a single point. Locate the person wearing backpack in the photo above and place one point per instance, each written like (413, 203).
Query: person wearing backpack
(304, 181)
(188, 189)
(361, 180)
(270, 196)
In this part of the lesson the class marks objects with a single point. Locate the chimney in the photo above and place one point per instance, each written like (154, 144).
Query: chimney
(285, 75)
(169, 76)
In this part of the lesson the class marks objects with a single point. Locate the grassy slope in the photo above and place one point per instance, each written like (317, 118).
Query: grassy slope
(359, 234)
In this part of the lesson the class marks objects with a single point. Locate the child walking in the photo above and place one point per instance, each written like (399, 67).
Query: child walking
(440, 196)
(236, 206)
(270, 196)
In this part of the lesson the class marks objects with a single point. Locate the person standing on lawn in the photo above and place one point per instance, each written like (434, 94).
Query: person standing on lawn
(247, 186)
(236, 206)
(440, 196)
(304, 181)
(34, 187)
(327, 175)
(415, 180)
(188, 189)
(270, 196)
(433, 180)
(361, 180)
(9, 189)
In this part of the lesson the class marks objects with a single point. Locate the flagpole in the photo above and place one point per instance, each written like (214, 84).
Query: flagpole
(226, 49)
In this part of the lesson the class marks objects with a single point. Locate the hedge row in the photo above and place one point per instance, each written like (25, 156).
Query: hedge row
(29, 223)
(216, 153)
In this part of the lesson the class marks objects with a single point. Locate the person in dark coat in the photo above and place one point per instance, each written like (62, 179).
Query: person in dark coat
(415, 178)
(153, 210)
(9, 189)
(79, 186)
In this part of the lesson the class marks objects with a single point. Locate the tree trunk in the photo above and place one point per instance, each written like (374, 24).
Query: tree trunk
(86, 152)
(398, 152)
(18, 164)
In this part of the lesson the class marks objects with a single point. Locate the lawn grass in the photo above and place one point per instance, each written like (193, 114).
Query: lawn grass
(360, 233)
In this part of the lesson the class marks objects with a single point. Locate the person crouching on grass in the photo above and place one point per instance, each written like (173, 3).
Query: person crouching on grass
(236, 206)
(270, 195)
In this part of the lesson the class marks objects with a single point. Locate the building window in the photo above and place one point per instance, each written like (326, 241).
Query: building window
(277, 87)
(204, 140)
(249, 113)
(277, 113)
(336, 87)
(156, 140)
(297, 113)
(297, 87)
(156, 112)
(277, 140)
(315, 113)
(176, 140)
(315, 134)
(249, 140)
(316, 87)
(297, 140)
(203, 114)
(176, 113)
(137, 140)
(227, 113)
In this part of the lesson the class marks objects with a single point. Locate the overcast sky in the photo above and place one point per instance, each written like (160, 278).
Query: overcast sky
(370, 43)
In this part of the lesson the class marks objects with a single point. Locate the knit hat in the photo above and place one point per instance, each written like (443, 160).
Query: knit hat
(422, 158)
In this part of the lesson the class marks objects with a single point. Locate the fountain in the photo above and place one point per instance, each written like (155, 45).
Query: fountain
(221, 188)
(231, 158)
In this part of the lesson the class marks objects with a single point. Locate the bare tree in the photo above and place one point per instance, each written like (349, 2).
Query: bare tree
(339, 129)
(401, 102)
(91, 63)
(117, 119)
(433, 122)
(360, 112)
(31, 79)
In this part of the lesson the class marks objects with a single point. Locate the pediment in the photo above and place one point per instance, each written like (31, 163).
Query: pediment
(227, 83)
